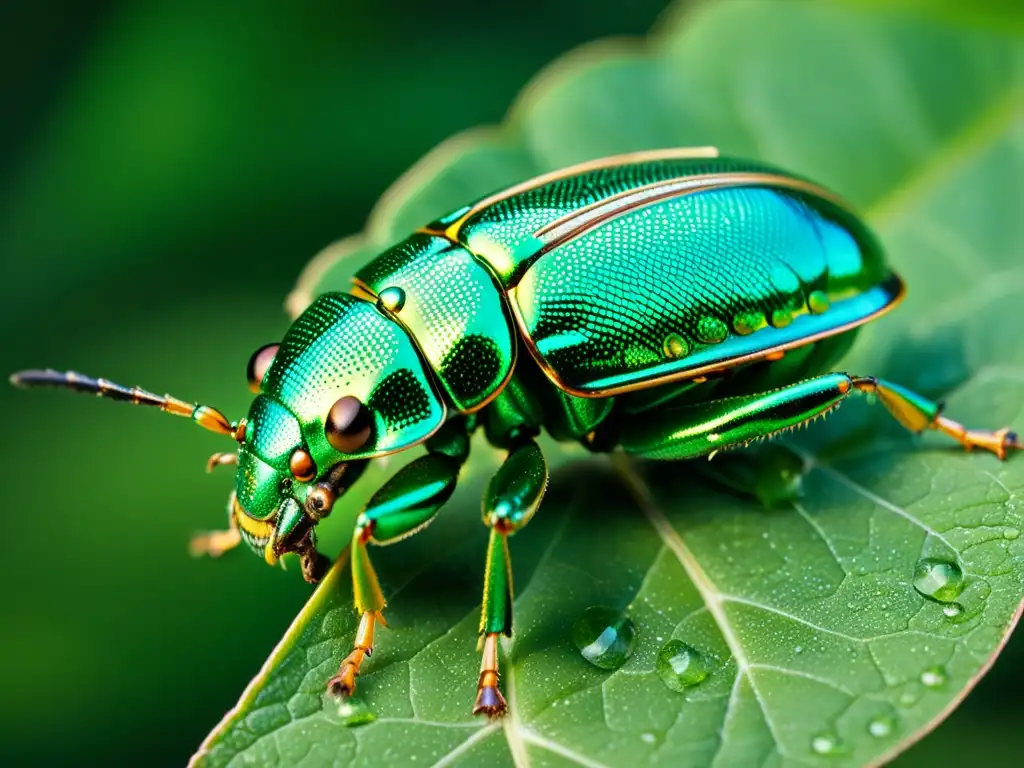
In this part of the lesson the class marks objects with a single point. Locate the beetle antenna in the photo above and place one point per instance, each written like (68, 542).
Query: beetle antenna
(203, 415)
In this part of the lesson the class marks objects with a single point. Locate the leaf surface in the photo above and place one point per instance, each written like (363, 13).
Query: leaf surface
(822, 651)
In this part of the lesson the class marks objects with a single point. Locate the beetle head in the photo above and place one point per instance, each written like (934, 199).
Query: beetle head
(280, 492)
(345, 385)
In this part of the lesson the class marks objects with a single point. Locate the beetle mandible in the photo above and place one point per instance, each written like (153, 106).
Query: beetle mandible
(669, 303)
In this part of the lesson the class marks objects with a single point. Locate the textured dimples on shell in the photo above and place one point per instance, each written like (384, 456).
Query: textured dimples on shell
(671, 304)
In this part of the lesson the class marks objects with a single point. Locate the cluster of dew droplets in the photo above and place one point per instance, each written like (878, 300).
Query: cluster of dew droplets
(606, 638)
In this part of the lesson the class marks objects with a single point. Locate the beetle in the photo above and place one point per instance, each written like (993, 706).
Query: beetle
(668, 303)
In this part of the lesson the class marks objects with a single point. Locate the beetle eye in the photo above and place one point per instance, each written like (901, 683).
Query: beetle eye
(348, 425)
(302, 466)
(258, 365)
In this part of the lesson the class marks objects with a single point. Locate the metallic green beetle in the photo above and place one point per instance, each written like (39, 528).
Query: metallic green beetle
(670, 303)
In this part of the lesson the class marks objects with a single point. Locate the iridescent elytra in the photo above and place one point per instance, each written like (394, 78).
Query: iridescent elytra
(669, 304)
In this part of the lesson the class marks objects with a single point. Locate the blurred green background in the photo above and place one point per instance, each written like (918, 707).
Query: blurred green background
(166, 170)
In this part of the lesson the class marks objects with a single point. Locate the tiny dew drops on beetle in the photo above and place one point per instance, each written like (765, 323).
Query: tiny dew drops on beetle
(602, 303)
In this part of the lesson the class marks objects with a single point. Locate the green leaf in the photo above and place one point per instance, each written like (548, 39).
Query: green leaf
(822, 652)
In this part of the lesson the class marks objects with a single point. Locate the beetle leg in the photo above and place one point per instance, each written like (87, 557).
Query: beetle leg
(917, 414)
(700, 429)
(221, 460)
(512, 497)
(703, 428)
(216, 543)
(403, 506)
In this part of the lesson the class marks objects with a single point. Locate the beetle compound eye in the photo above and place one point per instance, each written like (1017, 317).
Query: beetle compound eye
(348, 425)
(258, 365)
(301, 465)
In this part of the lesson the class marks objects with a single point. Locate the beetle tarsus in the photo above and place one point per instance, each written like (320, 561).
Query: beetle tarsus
(343, 684)
(999, 442)
(489, 700)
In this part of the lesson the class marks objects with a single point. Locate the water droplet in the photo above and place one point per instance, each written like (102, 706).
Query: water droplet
(711, 330)
(1011, 533)
(746, 323)
(818, 302)
(675, 346)
(681, 666)
(933, 677)
(825, 744)
(798, 649)
(354, 712)
(939, 580)
(604, 636)
(952, 610)
(781, 318)
(648, 738)
(882, 726)
(391, 299)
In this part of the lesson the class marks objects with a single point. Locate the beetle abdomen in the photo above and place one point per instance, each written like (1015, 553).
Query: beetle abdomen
(695, 283)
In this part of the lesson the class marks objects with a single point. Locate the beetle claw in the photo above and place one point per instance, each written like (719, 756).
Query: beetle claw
(489, 700)
(343, 684)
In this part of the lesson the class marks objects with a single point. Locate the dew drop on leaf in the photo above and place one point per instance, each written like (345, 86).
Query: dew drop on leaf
(933, 677)
(681, 666)
(881, 726)
(648, 738)
(605, 637)
(939, 580)
(953, 609)
(1011, 533)
(354, 712)
(825, 744)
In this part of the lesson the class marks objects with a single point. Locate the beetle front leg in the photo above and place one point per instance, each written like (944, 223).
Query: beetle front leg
(216, 543)
(403, 506)
(512, 496)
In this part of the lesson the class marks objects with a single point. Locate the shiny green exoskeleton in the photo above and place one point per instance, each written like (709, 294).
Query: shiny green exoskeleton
(669, 304)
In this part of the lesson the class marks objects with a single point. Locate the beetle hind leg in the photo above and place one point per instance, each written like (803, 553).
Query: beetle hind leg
(917, 413)
(701, 429)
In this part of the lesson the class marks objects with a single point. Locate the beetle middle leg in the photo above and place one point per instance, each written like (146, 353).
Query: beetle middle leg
(512, 496)
(404, 505)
